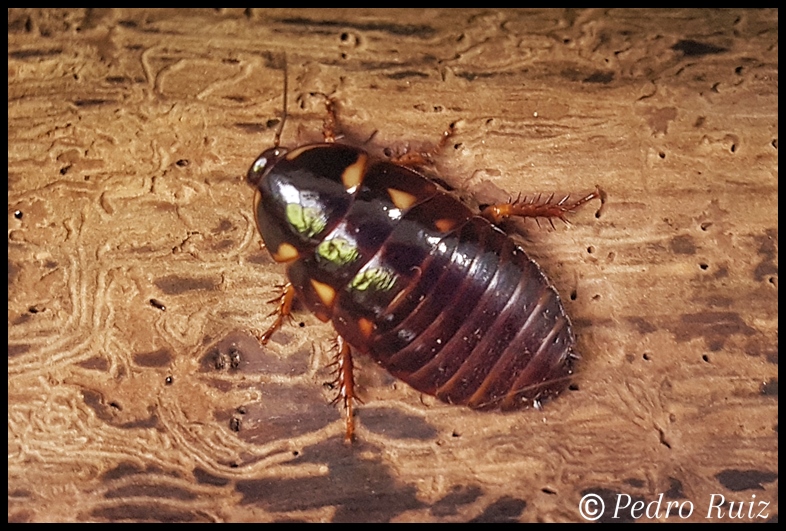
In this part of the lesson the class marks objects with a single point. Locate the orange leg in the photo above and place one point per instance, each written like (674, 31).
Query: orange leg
(330, 125)
(283, 309)
(535, 208)
(345, 381)
(415, 159)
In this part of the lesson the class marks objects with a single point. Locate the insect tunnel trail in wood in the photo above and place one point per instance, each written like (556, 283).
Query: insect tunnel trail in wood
(435, 293)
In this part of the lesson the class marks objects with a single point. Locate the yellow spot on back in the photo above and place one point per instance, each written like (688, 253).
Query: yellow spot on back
(445, 224)
(286, 252)
(353, 174)
(402, 200)
(322, 316)
(295, 153)
(325, 293)
(366, 327)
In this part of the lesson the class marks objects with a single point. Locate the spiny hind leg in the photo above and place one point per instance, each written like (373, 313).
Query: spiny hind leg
(283, 310)
(536, 207)
(345, 383)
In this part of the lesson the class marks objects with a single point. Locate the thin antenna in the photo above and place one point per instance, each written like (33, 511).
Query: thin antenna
(277, 138)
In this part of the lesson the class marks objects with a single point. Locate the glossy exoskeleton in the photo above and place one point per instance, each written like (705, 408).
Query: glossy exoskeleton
(435, 293)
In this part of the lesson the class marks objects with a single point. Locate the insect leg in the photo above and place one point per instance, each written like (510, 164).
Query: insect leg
(330, 124)
(345, 381)
(418, 159)
(535, 208)
(283, 309)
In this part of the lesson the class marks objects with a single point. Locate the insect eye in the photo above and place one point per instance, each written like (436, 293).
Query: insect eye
(259, 164)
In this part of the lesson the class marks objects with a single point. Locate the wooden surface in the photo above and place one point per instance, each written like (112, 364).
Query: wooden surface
(135, 390)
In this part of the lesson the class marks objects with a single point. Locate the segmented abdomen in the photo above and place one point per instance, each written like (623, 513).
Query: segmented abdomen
(442, 299)
(480, 326)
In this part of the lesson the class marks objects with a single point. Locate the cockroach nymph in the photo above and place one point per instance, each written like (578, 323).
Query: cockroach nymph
(435, 293)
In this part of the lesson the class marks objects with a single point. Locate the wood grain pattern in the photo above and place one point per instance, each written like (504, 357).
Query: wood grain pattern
(135, 389)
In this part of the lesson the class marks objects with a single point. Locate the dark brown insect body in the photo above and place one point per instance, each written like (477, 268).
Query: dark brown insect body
(439, 296)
